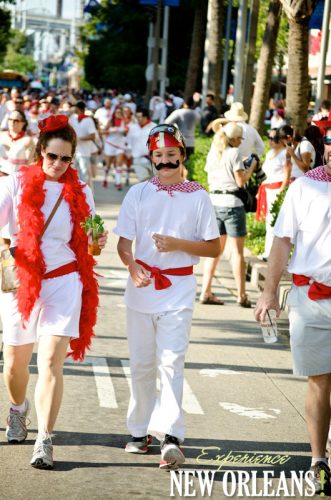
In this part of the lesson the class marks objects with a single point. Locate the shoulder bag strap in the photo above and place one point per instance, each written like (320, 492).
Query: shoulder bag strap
(51, 215)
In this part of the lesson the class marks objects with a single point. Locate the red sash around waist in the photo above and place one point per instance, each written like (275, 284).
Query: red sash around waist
(161, 282)
(262, 209)
(61, 271)
(316, 291)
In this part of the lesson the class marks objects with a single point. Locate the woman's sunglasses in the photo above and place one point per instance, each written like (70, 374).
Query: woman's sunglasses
(327, 140)
(53, 157)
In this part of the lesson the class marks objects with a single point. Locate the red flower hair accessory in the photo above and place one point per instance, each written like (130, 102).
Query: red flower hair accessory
(53, 123)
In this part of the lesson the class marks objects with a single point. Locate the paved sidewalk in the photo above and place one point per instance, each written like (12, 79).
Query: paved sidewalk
(240, 398)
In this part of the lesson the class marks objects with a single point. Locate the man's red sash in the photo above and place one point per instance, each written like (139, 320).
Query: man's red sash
(161, 282)
(317, 291)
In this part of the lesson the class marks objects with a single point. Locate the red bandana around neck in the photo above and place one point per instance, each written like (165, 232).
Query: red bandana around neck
(81, 117)
(183, 187)
(319, 174)
(19, 136)
(30, 260)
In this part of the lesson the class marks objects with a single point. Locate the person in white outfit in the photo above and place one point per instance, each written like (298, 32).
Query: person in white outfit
(173, 223)
(278, 174)
(252, 141)
(57, 297)
(86, 131)
(137, 144)
(303, 225)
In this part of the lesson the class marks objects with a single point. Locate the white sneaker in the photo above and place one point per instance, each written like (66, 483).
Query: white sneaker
(171, 454)
(16, 430)
(42, 457)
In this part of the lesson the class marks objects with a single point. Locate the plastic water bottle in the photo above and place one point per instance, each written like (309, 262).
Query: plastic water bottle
(269, 327)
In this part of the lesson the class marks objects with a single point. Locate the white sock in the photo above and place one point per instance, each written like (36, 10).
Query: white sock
(42, 435)
(318, 459)
(20, 408)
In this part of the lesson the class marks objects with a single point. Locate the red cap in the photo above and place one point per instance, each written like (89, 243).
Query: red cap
(165, 136)
(323, 124)
(53, 123)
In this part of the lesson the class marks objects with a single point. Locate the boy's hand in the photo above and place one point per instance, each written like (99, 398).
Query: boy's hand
(165, 243)
(139, 275)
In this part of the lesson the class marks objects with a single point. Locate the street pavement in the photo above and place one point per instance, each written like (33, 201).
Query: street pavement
(240, 398)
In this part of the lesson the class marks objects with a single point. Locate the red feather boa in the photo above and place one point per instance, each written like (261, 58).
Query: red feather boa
(29, 258)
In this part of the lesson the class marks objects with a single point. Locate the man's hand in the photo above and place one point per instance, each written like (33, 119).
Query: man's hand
(266, 302)
(165, 243)
(139, 275)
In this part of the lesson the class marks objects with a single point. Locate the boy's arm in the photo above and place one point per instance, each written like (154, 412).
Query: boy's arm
(209, 248)
(139, 275)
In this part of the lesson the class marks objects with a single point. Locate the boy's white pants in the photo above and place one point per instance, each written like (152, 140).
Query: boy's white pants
(157, 345)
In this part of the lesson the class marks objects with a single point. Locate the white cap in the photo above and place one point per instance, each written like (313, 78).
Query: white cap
(127, 97)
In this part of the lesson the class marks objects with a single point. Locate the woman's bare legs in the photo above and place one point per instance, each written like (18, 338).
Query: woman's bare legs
(238, 266)
(209, 269)
(16, 371)
(49, 389)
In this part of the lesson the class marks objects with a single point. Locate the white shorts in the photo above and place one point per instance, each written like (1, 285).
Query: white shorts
(111, 150)
(310, 332)
(56, 312)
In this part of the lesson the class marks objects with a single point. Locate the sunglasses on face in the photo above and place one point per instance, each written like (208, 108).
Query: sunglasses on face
(327, 140)
(271, 138)
(53, 157)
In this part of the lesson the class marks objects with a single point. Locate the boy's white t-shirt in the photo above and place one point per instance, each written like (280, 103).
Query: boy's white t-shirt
(146, 211)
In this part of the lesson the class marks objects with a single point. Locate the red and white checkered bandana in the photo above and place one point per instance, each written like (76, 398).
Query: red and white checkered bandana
(319, 174)
(184, 187)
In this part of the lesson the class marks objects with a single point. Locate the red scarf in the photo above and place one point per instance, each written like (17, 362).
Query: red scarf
(30, 260)
(19, 136)
(319, 174)
(81, 117)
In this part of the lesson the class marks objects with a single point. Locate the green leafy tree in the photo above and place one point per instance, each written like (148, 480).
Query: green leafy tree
(15, 58)
(4, 31)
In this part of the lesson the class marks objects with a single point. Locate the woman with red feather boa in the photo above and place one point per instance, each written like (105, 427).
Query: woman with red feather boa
(56, 302)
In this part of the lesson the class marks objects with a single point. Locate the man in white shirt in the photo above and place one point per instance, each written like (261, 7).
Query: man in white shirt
(86, 134)
(304, 221)
(137, 143)
(252, 141)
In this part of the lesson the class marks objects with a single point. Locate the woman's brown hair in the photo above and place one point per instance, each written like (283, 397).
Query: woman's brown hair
(67, 134)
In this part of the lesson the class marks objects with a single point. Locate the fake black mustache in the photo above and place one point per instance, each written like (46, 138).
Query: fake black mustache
(167, 165)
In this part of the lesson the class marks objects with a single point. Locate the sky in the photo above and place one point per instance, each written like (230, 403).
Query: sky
(69, 6)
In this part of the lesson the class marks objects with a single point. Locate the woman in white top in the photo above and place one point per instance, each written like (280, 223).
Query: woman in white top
(57, 297)
(226, 174)
(19, 146)
(278, 174)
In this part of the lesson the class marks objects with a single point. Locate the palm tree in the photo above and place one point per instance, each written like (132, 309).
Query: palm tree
(193, 74)
(265, 64)
(297, 89)
(215, 49)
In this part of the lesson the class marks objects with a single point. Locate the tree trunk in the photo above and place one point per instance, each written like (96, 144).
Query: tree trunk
(197, 48)
(215, 50)
(250, 60)
(265, 64)
(297, 82)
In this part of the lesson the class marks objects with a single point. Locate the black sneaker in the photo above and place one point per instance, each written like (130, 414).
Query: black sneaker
(139, 444)
(321, 483)
(171, 454)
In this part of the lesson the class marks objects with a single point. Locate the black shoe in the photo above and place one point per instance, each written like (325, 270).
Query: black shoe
(321, 483)
(171, 454)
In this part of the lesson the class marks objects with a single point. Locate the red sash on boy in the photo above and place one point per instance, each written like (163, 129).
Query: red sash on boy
(160, 281)
(316, 291)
